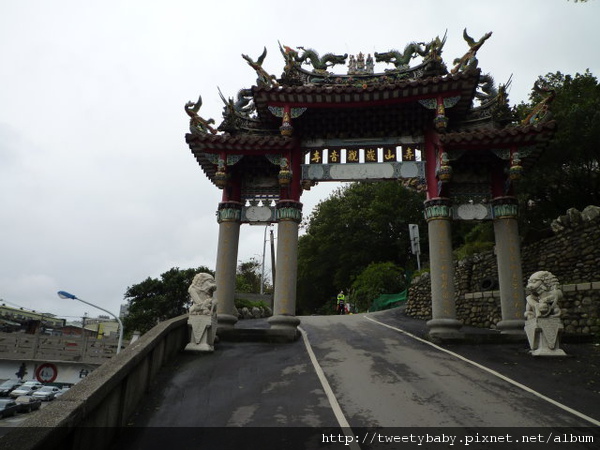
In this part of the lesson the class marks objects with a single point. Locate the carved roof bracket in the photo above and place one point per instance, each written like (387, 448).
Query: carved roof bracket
(286, 113)
(215, 158)
(274, 159)
(278, 111)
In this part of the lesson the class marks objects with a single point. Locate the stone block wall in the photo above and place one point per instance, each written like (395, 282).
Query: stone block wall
(572, 254)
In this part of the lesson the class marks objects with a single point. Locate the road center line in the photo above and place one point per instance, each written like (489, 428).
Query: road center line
(492, 372)
(335, 406)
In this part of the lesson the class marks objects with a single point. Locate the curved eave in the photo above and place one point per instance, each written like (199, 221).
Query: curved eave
(499, 138)
(201, 144)
(536, 136)
(463, 84)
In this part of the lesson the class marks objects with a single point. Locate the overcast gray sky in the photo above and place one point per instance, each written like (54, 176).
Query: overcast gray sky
(98, 189)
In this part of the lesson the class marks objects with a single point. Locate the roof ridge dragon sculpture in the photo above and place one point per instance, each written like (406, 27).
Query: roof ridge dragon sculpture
(319, 63)
(430, 51)
(241, 114)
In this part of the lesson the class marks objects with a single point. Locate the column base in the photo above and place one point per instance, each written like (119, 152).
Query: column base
(201, 348)
(445, 329)
(514, 326)
(284, 328)
(547, 352)
(281, 322)
(226, 321)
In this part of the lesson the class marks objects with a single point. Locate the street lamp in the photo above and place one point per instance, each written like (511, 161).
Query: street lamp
(64, 294)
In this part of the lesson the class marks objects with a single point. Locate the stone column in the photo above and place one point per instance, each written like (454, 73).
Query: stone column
(289, 216)
(228, 216)
(510, 273)
(443, 324)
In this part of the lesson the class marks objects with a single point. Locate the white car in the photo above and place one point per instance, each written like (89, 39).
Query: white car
(46, 393)
(26, 388)
(61, 391)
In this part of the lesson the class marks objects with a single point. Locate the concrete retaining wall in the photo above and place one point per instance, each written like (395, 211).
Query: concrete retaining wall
(90, 414)
(67, 373)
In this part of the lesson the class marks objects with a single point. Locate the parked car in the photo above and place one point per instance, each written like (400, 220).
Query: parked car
(46, 393)
(8, 407)
(27, 403)
(8, 386)
(62, 391)
(26, 388)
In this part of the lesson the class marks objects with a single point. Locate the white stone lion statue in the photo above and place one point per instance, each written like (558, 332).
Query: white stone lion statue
(203, 313)
(201, 292)
(543, 325)
(544, 296)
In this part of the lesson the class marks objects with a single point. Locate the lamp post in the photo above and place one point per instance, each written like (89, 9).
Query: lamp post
(64, 294)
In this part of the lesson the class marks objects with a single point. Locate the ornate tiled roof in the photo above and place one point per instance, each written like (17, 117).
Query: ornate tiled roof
(319, 106)
(205, 147)
(327, 94)
(489, 138)
(241, 143)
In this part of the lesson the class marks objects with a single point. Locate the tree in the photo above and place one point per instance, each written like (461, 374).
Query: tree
(359, 224)
(473, 238)
(155, 300)
(249, 277)
(567, 174)
(376, 279)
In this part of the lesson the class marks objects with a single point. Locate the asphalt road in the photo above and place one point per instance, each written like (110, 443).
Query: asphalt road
(384, 378)
(350, 375)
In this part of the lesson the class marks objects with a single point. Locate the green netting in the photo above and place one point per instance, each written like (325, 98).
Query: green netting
(387, 301)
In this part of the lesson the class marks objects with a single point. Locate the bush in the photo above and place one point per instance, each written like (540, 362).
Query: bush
(376, 279)
(478, 240)
(245, 303)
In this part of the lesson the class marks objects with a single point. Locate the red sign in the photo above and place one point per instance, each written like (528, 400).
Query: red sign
(46, 373)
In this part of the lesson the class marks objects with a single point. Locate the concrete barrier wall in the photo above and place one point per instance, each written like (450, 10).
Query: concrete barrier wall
(90, 414)
(57, 348)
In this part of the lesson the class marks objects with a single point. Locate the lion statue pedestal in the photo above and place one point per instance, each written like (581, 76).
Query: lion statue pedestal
(543, 325)
(203, 314)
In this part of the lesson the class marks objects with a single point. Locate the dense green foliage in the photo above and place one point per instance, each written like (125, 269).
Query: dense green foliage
(157, 299)
(567, 175)
(359, 224)
(248, 277)
(241, 302)
(154, 300)
(476, 238)
(376, 279)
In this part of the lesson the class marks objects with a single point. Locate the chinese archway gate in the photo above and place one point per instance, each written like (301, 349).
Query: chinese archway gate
(283, 135)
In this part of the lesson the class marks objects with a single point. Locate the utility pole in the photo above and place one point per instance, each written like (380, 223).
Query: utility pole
(262, 273)
(83, 337)
(273, 258)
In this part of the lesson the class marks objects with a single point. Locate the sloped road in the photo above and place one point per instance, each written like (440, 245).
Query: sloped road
(349, 378)
(383, 378)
